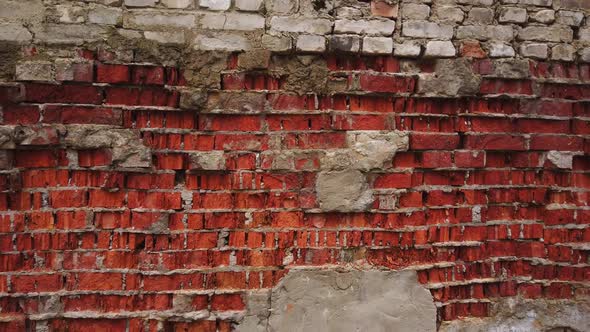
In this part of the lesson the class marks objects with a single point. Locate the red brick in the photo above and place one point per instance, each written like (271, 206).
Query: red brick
(393, 84)
(112, 73)
(49, 93)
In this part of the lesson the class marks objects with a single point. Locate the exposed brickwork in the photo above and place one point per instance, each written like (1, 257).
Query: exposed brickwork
(154, 169)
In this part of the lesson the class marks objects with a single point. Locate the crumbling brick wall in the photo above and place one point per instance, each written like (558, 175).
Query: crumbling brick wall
(165, 164)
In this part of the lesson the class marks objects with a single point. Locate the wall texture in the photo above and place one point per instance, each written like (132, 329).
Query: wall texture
(294, 165)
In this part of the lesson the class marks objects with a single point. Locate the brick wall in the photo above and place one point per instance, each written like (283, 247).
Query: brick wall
(162, 160)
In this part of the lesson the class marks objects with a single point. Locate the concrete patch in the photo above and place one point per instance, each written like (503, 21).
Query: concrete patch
(350, 301)
(519, 315)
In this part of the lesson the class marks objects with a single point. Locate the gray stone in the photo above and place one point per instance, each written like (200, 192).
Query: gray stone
(277, 43)
(544, 16)
(550, 34)
(105, 15)
(282, 6)
(163, 37)
(437, 48)
(34, 71)
(30, 11)
(513, 68)
(585, 54)
(563, 52)
(371, 27)
(480, 16)
(452, 77)
(486, 32)
(476, 2)
(222, 42)
(207, 160)
(68, 33)
(413, 11)
(407, 49)
(425, 29)
(311, 43)
(535, 51)
(257, 312)
(14, 33)
(126, 145)
(538, 315)
(351, 301)
(543, 3)
(377, 45)
(567, 17)
(345, 43)
(343, 191)
(500, 50)
(70, 14)
(512, 15)
(585, 34)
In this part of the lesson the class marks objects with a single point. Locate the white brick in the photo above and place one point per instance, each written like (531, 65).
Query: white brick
(316, 26)
(70, 14)
(413, 11)
(480, 16)
(69, 33)
(140, 3)
(513, 15)
(372, 27)
(544, 16)
(585, 54)
(536, 51)
(377, 45)
(177, 3)
(563, 52)
(153, 20)
(104, 15)
(551, 34)
(449, 14)
(232, 21)
(501, 50)
(486, 32)
(424, 29)
(14, 33)
(585, 34)
(407, 49)
(440, 49)
(176, 37)
(282, 6)
(222, 42)
(215, 4)
(567, 17)
(249, 5)
(311, 43)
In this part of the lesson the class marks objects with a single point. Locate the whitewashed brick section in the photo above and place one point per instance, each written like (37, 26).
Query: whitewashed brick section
(377, 45)
(424, 29)
(316, 26)
(311, 43)
(222, 41)
(232, 21)
(371, 27)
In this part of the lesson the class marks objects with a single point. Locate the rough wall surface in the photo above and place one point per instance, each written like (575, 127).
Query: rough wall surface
(211, 165)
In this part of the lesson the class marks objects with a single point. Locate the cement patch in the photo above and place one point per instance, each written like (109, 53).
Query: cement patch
(349, 301)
